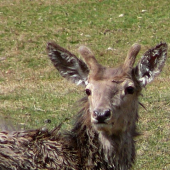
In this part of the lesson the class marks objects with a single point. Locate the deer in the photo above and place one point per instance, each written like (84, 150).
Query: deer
(104, 131)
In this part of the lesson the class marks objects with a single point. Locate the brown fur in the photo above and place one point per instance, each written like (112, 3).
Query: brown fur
(102, 137)
(81, 148)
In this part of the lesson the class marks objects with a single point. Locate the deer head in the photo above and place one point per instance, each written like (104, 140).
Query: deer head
(112, 92)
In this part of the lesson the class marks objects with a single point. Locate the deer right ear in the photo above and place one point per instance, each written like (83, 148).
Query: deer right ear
(68, 65)
(151, 64)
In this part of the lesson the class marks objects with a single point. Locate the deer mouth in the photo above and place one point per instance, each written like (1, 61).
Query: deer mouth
(104, 126)
(100, 122)
(100, 126)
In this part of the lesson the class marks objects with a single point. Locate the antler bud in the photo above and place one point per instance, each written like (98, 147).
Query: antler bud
(89, 59)
(131, 56)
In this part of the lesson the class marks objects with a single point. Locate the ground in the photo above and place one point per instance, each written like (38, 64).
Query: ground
(32, 92)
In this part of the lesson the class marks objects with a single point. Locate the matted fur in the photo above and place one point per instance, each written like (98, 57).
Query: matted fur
(102, 137)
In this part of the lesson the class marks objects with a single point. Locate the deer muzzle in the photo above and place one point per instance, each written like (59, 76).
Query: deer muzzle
(100, 116)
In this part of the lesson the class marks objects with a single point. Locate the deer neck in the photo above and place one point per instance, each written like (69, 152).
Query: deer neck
(100, 149)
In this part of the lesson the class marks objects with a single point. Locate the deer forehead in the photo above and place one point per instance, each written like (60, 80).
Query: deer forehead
(111, 84)
(110, 78)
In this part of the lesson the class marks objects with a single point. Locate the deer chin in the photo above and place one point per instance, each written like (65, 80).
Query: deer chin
(108, 129)
(103, 127)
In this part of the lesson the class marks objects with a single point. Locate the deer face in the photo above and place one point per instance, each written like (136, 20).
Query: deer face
(113, 100)
(112, 92)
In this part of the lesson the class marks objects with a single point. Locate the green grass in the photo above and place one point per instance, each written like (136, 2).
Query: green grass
(30, 89)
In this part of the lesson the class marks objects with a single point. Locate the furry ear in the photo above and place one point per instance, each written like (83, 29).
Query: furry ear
(151, 64)
(68, 65)
(131, 56)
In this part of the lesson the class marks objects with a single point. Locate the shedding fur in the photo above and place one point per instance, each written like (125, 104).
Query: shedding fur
(102, 137)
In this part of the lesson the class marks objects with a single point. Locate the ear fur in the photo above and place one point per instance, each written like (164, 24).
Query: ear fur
(68, 65)
(151, 64)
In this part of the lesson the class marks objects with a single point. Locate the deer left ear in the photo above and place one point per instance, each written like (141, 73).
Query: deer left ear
(68, 65)
(151, 64)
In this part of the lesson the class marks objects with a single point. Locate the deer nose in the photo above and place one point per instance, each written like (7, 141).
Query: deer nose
(101, 116)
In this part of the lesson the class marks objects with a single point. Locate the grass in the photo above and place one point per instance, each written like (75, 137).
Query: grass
(30, 89)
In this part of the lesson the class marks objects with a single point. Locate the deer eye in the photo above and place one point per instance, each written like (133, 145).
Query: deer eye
(88, 92)
(129, 90)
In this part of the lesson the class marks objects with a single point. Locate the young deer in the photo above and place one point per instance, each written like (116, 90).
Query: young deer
(102, 137)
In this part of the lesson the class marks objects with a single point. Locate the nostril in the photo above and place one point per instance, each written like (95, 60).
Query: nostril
(101, 116)
(107, 114)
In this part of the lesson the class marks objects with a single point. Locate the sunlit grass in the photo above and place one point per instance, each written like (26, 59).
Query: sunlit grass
(31, 91)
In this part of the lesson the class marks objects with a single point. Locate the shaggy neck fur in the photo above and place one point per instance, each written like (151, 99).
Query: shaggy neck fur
(99, 151)
(82, 148)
